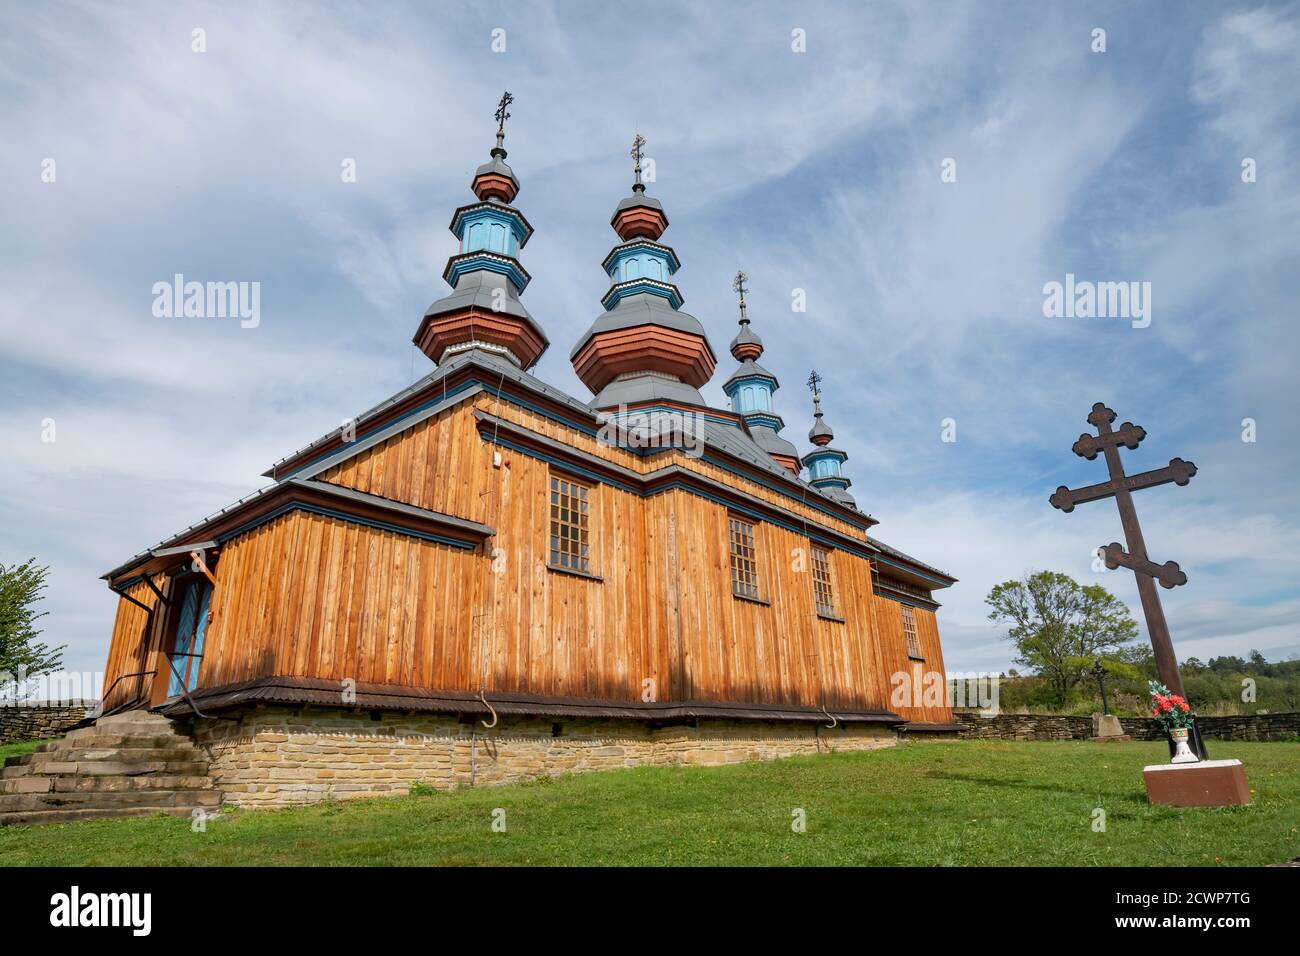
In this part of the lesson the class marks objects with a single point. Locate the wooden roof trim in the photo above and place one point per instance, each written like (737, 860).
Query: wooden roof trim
(299, 691)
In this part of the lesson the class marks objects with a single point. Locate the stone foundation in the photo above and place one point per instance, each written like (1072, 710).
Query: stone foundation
(39, 721)
(283, 756)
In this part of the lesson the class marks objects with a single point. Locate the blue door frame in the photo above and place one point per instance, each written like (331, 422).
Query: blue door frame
(191, 625)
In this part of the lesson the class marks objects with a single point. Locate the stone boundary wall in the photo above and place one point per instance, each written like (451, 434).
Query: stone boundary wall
(1059, 727)
(279, 756)
(38, 721)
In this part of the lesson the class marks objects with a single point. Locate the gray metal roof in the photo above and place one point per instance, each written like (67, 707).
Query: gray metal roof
(746, 336)
(479, 289)
(894, 552)
(842, 496)
(751, 369)
(767, 439)
(639, 199)
(497, 165)
(819, 428)
(646, 388)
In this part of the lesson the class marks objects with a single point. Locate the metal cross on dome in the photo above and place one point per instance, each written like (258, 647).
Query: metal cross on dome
(738, 286)
(815, 386)
(638, 151)
(1107, 442)
(501, 116)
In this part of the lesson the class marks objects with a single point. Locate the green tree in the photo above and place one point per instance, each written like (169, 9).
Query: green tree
(1060, 627)
(21, 655)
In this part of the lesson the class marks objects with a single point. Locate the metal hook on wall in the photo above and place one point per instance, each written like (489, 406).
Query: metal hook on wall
(483, 697)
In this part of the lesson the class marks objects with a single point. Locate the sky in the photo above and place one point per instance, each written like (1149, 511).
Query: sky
(919, 170)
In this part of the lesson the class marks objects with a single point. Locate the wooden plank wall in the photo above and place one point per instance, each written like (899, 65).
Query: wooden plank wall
(891, 651)
(309, 595)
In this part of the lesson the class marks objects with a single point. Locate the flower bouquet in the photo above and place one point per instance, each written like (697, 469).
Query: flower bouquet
(1175, 718)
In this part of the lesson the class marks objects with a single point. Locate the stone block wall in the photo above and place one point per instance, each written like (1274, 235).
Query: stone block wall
(283, 756)
(38, 721)
(1059, 727)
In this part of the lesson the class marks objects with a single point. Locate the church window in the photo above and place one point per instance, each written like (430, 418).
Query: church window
(909, 630)
(744, 561)
(569, 525)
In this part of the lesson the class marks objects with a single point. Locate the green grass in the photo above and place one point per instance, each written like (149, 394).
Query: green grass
(970, 802)
(21, 747)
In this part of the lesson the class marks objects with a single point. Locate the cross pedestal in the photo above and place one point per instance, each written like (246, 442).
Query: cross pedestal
(1107, 727)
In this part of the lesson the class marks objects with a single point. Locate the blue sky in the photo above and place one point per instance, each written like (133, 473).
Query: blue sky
(817, 170)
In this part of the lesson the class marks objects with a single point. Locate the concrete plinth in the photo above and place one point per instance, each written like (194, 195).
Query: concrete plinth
(1208, 783)
(1106, 726)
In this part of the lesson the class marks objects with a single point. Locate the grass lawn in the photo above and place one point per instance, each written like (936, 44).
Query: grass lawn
(21, 747)
(970, 802)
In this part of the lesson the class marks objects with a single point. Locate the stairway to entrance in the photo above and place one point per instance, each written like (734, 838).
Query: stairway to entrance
(127, 765)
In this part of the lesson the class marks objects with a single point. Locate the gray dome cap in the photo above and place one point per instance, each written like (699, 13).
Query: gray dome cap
(649, 387)
(746, 336)
(497, 164)
(751, 369)
(840, 495)
(819, 429)
(767, 439)
(478, 289)
(638, 199)
(644, 308)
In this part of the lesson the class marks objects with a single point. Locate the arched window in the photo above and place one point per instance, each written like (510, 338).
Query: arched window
(474, 238)
(497, 237)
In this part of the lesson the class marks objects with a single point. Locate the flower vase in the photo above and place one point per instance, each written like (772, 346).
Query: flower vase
(1182, 753)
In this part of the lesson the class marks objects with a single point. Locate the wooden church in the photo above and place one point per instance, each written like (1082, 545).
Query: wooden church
(483, 578)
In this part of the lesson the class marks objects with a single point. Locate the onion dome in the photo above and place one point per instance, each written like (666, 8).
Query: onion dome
(750, 389)
(483, 310)
(643, 348)
(824, 462)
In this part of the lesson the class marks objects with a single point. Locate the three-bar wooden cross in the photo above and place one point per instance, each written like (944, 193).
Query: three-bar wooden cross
(1120, 487)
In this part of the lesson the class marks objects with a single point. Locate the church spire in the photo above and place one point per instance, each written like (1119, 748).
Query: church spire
(483, 310)
(823, 462)
(751, 387)
(643, 350)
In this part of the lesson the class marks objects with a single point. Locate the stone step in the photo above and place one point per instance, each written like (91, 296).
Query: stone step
(100, 739)
(27, 802)
(162, 781)
(134, 717)
(38, 817)
(107, 783)
(131, 764)
(101, 768)
(185, 751)
(126, 730)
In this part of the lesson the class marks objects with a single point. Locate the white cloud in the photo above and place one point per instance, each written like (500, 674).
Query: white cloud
(816, 170)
